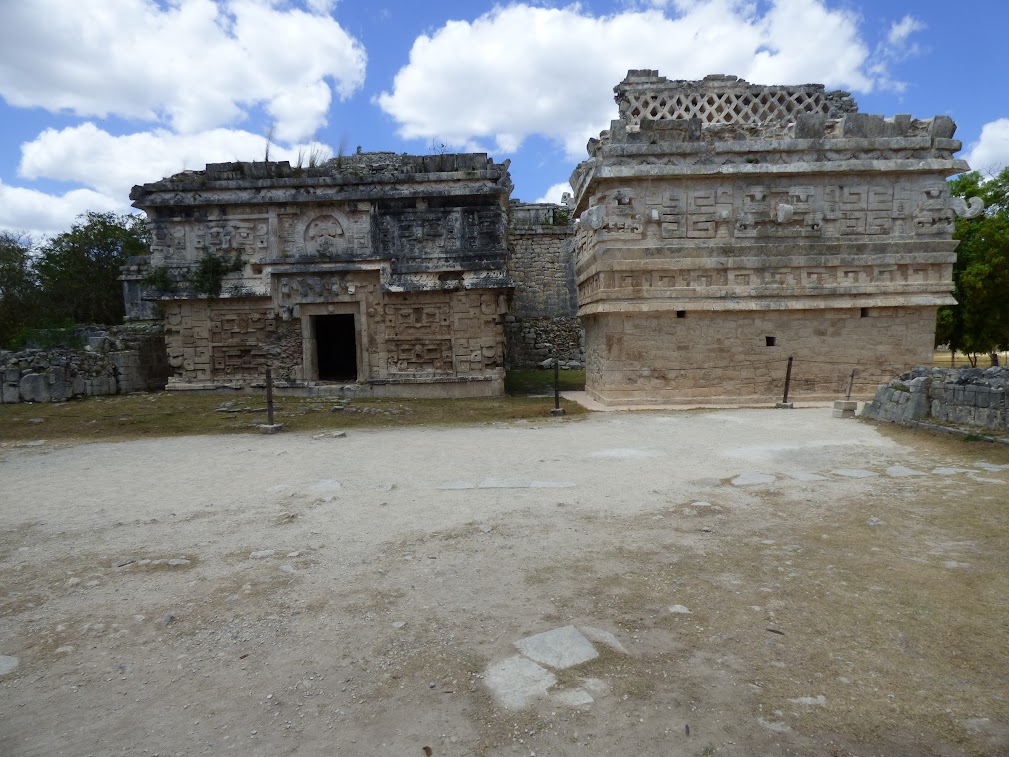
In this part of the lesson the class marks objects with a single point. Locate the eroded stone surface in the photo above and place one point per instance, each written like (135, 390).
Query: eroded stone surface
(517, 682)
(7, 664)
(560, 649)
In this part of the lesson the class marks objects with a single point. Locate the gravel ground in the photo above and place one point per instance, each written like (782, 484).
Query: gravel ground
(347, 594)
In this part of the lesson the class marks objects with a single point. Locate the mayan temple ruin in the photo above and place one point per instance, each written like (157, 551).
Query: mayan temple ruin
(724, 226)
(717, 228)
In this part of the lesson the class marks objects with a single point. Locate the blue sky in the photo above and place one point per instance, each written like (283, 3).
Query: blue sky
(98, 95)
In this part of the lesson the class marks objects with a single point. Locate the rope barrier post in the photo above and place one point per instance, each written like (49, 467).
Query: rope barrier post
(557, 409)
(270, 427)
(785, 404)
(846, 408)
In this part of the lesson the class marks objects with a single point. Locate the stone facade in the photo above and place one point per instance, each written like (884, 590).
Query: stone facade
(732, 225)
(542, 322)
(975, 397)
(385, 274)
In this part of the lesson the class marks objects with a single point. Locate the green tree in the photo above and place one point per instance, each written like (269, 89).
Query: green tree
(78, 270)
(979, 322)
(18, 287)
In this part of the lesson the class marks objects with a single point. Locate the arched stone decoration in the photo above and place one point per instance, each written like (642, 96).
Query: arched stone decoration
(323, 236)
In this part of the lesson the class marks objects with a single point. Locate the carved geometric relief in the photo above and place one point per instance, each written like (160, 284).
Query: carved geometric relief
(410, 320)
(418, 355)
(323, 235)
(707, 210)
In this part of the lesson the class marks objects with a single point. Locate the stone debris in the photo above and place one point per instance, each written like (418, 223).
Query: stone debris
(560, 649)
(288, 568)
(167, 619)
(262, 554)
(874, 522)
(991, 468)
(950, 471)
(752, 479)
(679, 610)
(179, 562)
(7, 664)
(853, 473)
(518, 681)
(331, 434)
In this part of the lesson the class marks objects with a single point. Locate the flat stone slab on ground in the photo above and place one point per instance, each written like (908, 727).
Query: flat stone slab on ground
(750, 479)
(804, 476)
(516, 682)
(950, 471)
(599, 636)
(854, 473)
(561, 648)
(7, 664)
(900, 471)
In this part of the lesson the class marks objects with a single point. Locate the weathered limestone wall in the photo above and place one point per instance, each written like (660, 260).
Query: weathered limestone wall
(399, 261)
(228, 342)
(542, 322)
(751, 209)
(402, 338)
(725, 357)
(115, 362)
(974, 397)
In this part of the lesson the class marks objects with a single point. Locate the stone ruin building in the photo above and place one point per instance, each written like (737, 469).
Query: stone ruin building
(381, 271)
(724, 226)
(716, 229)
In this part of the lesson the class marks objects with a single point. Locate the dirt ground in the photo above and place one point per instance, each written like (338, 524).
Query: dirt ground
(347, 595)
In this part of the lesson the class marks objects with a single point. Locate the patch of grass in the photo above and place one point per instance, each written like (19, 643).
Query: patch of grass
(540, 381)
(137, 416)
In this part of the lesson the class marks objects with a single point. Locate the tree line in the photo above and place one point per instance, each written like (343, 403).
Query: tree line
(68, 279)
(979, 322)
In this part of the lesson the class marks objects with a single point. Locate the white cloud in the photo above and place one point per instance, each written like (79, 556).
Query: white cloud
(555, 192)
(113, 164)
(42, 214)
(110, 165)
(535, 70)
(990, 154)
(193, 65)
(901, 30)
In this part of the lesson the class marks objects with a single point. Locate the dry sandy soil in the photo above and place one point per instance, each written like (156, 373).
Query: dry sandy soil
(347, 595)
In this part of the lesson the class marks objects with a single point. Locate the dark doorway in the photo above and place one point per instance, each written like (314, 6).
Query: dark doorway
(336, 347)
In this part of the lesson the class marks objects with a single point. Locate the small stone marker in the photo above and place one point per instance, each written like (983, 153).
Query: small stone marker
(844, 408)
(271, 428)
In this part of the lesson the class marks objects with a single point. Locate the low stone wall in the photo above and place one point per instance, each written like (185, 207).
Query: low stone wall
(116, 361)
(531, 341)
(974, 397)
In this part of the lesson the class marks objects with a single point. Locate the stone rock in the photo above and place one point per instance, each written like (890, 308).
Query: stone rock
(517, 682)
(560, 649)
(853, 473)
(34, 387)
(262, 554)
(874, 522)
(599, 636)
(819, 701)
(178, 562)
(777, 727)
(752, 479)
(679, 610)
(900, 471)
(167, 619)
(7, 664)
(572, 697)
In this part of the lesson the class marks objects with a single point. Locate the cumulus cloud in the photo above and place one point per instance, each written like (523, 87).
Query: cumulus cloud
(42, 214)
(539, 70)
(112, 164)
(555, 192)
(990, 154)
(192, 65)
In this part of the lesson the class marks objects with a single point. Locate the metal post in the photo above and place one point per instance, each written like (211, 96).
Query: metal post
(558, 410)
(269, 396)
(851, 381)
(788, 380)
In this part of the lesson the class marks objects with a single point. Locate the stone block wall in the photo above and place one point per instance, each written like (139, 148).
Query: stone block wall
(542, 321)
(974, 397)
(741, 357)
(115, 362)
